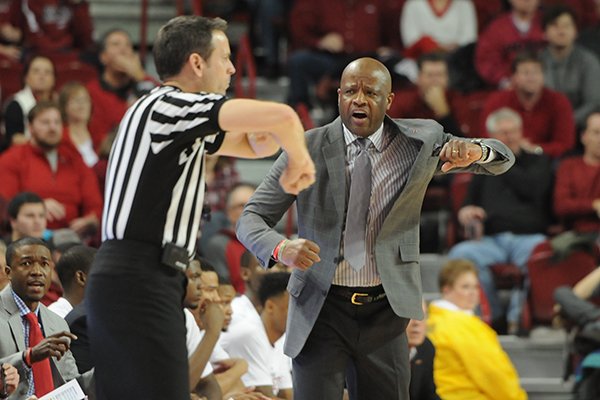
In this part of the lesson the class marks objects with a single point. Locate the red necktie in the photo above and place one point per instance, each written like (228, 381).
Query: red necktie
(42, 375)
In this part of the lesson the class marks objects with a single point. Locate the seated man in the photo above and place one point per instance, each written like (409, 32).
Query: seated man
(72, 269)
(27, 216)
(254, 339)
(327, 34)
(430, 98)
(508, 215)
(548, 124)
(205, 313)
(577, 186)
(123, 80)
(224, 249)
(32, 338)
(469, 360)
(576, 307)
(569, 67)
(58, 29)
(54, 171)
(507, 35)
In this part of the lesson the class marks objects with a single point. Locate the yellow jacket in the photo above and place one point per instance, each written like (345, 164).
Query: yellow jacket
(469, 362)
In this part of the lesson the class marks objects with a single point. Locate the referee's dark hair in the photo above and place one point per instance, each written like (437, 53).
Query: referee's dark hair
(272, 285)
(76, 258)
(181, 37)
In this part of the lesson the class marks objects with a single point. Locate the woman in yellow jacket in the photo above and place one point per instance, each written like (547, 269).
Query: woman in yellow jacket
(469, 362)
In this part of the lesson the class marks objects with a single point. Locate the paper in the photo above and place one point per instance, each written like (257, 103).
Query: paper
(69, 391)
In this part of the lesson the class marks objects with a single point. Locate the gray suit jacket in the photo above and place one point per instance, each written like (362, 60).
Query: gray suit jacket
(321, 219)
(12, 345)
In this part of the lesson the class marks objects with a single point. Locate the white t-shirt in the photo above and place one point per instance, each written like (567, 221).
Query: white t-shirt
(61, 307)
(241, 307)
(193, 337)
(267, 365)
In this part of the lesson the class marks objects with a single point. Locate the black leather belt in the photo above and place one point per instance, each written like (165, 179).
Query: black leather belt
(358, 295)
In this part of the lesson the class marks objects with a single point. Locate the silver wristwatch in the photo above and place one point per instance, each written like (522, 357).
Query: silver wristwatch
(485, 151)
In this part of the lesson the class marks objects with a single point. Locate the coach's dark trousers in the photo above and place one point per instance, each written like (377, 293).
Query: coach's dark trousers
(363, 346)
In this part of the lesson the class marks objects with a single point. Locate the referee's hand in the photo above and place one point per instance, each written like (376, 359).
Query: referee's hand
(298, 175)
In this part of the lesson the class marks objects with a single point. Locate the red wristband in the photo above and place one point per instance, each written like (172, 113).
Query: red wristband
(276, 251)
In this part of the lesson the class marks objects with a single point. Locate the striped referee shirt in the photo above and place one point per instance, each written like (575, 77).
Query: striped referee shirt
(392, 156)
(155, 178)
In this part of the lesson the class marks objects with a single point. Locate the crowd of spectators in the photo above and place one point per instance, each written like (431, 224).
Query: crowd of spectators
(535, 71)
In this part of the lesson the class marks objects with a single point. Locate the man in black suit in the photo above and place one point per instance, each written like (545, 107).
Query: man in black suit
(422, 352)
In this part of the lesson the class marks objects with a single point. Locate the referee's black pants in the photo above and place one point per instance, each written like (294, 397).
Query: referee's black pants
(136, 324)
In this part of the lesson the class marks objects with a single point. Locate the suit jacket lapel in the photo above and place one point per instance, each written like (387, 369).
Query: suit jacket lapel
(335, 158)
(14, 321)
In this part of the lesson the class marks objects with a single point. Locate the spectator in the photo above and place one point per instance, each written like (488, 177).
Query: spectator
(254, 339)
(72, 269)
(510, 33)
(54, 171)
(29, 267)
(10, 36)
(224, 250)
(445, 24)
(422, 354)
(39, 82)
(548, 125)
(430, 98)
(585, 11)
(506, 216)
(575, 304)
(469, 360)
(577, 188)
(59, 29)
(76, 108)
(122, 81)
(568, 67)
(200, 344)
(27, 216)
(326, 35)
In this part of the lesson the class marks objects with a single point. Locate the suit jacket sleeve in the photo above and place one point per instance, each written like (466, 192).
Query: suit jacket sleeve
(261, 214)
(502, 163)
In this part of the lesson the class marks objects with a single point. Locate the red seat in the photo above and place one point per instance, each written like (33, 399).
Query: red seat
(546, 274)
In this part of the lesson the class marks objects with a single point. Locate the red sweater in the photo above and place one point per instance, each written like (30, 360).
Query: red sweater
(549, 124)
(51, 25)
(500, 43)
(364, 25)
(577, 186)
(25, 168)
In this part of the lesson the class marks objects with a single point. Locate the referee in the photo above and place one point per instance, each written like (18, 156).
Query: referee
(153, 203)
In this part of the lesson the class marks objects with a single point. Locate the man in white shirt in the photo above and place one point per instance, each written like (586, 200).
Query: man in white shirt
(254, 339)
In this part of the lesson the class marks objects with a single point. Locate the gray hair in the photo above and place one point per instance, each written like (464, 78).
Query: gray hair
(501, 114)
